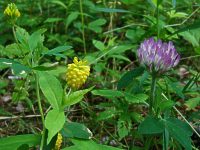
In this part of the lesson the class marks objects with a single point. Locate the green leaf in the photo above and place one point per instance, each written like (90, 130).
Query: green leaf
(76, 130)
(35, 39)
(58, 2)
(73, 16)
(120, 49)
(99, 45)
(128, 77)
(108, 93)
(51, 89)
(57, 50)
(17, 67)
(12, 50)
(87, 145)
(166, 105)
(13, 142)
(176, 87)
(195, 25)
(192, 103)
(54, 122)
(75, 97)
(136, 98)
(107, 114)
(123, 127)
(96, 25)
(151, 126)
(50, 20)
(179, 131)
(22, 35)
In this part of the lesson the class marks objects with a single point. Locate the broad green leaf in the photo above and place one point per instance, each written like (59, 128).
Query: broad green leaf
(179, 131)
(50, 20)
(108, 93)
(88, 145)
(59, 2)
(107, 114)
(54, 122)
(13, 142)
(22, 35)
(99, 45)
(35, 39)
(96, 25)
(128, 77)
(76, 130)
(120, 49)
(151, 126)
(12, 50)
(192, 103)
(166, 105)
(57, 50)
(192, 36)
(136, 98)
(135, 34)
(75, 97)
(15, 66)
(51, 89)
(73, 16)
(123, 127)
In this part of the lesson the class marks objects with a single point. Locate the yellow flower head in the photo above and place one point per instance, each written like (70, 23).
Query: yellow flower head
(12, 11)
(77, 73)
(58, 142)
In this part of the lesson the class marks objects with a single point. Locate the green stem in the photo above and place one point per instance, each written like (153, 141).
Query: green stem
(153, 94)
(83, 26)
(41, 111)
(13, 30)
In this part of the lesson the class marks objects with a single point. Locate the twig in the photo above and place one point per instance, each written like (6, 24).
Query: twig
(15, 117)
(190, 57)
(133, 24)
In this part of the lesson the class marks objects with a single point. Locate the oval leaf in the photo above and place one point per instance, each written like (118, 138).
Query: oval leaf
(51, 89)
(54, 122)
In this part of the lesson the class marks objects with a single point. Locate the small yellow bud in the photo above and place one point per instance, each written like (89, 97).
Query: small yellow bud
(58, 142)
(12, 11)
(77, 73)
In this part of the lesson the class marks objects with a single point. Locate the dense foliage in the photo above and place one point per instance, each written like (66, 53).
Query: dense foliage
(100, 74)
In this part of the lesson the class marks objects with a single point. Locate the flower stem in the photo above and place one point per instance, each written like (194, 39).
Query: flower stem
(41, 111)
(152, 94)
(13, 30)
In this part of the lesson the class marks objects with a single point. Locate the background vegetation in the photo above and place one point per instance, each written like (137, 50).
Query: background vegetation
(107, 33)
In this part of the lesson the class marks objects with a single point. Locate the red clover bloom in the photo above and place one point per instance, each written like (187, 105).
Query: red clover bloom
(158, 56)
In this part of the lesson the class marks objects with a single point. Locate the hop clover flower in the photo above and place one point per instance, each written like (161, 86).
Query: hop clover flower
(12, 11)
(158, 56)
(77, 73)
(58, 142)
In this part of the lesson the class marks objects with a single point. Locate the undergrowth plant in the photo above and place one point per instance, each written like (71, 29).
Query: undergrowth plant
(130, 51)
